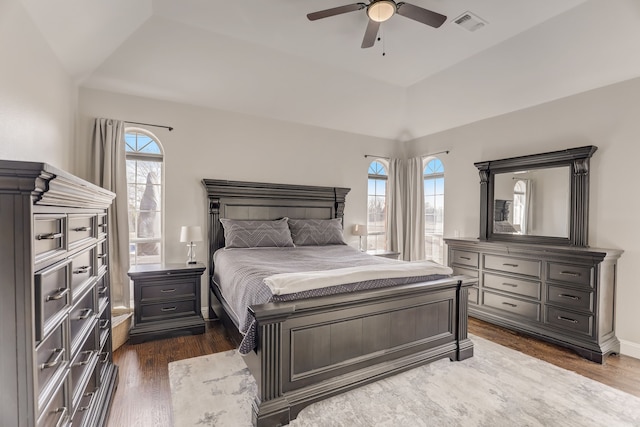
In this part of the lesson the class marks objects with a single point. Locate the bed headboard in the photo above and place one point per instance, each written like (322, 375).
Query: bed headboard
(258, 200)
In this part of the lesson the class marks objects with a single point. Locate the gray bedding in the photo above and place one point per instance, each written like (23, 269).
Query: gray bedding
(240, 274)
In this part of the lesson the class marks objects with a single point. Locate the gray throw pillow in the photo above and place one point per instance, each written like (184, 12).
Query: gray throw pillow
(316, 232)
(256, 234)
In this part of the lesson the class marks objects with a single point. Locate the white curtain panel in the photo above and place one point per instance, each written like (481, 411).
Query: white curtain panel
(110, 172)
(414, 211)
(395, 211)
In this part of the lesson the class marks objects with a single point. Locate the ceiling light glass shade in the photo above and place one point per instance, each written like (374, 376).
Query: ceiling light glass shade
(381, 10)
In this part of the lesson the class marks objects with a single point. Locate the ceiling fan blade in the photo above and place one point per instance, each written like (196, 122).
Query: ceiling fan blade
(335, 11)
(419, 14)
(370, 34)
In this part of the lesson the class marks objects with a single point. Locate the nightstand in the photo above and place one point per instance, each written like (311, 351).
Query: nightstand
(385, 254)
(167, 301)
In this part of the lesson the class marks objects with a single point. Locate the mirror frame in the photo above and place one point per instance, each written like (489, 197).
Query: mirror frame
(578, 161)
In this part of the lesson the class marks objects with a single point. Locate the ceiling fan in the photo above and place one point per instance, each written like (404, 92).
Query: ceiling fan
(379, 11)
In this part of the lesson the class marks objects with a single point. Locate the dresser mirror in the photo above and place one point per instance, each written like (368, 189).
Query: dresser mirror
(540, 198)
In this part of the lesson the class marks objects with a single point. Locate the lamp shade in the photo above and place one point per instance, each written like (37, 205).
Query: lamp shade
(359, 230)
(191, 233)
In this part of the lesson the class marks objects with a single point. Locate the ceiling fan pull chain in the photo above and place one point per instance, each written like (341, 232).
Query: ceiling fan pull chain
(384, 47)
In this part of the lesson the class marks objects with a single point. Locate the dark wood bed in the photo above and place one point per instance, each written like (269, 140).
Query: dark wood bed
(311, 349)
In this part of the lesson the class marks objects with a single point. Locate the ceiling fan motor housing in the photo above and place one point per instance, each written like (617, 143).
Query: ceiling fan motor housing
(381, 10)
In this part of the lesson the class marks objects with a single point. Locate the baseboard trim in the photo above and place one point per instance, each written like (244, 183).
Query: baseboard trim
(629, 348)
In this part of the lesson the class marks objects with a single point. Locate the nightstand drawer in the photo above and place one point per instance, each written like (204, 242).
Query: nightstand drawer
(167, 310)
(168, 291)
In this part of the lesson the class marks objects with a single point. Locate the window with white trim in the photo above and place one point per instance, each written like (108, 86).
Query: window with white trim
(145, 160)
(434, 209)
(377, 206)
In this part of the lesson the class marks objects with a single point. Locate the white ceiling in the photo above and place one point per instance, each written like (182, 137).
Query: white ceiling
(265, 58)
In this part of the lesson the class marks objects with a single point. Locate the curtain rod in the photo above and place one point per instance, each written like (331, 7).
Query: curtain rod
(424, 155)
(149, 124)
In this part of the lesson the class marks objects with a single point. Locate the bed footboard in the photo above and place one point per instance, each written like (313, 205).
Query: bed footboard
(313, 349)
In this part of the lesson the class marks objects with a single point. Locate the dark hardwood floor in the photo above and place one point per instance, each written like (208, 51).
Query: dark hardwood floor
(143, 397)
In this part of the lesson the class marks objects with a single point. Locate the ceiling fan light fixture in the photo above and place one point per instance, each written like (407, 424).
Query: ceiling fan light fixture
(381, 10)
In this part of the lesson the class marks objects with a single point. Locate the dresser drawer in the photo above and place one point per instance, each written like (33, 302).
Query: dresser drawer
(52, 297)
(102, 225)
(457, 271)
(469, 259)
(102, 255)
(81, 270)
(48, 235)
(168, 310)
(56, 413)
(513, 265)
(514, 306)
(570, 298)
(570, 273)
(170, 291)
(81, 228)
(103, 291)
(513, 285)
(84, 404)
(81, 316)
(52, 360)
(83, 364)
(569, 320)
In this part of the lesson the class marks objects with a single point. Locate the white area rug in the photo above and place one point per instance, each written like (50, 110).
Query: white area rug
(496, 387)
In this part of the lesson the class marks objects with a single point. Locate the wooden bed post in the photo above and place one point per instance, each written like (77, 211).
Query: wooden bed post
(465, 346)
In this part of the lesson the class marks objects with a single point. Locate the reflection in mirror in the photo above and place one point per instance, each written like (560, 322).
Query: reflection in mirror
(533, 202)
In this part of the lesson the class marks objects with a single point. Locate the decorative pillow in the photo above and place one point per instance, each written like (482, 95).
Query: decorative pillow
(316, 232)
(256, 234)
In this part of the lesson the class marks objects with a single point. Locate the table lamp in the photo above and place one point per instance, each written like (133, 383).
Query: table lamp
(359, 230)
(190, 234)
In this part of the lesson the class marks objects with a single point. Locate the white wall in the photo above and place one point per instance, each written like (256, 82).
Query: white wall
(207, 143)
(37, 97)
(608, 118)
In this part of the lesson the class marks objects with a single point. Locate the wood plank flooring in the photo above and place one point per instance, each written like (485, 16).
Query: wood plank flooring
(143, 397)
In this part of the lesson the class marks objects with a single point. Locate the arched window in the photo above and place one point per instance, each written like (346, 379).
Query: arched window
(434, 209)
(520, 197)
(377, 206)
(144, 190)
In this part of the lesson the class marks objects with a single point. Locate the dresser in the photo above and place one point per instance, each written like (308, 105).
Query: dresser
(167, 300)
(56, 365)
(561, 294)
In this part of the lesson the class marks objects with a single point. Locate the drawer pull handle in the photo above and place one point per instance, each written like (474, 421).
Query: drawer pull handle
(82, 229)
(87, 312)
(49, 236)
(82, 270)
(54, 360)
(506, 264)
(573, 297)
(102, 291)
(513, 285)
(102, 256)
(166, 291)
(60, 293)
(63, 414)
(465, 257)
(169, 308)
(567, 319)
(105, 358)
(104, 324)
(570, 273)
(85, 361)
(510, 305)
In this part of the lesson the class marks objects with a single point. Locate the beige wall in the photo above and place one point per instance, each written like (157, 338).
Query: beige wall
(608, 118)
(209, 143)
(37, 97)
